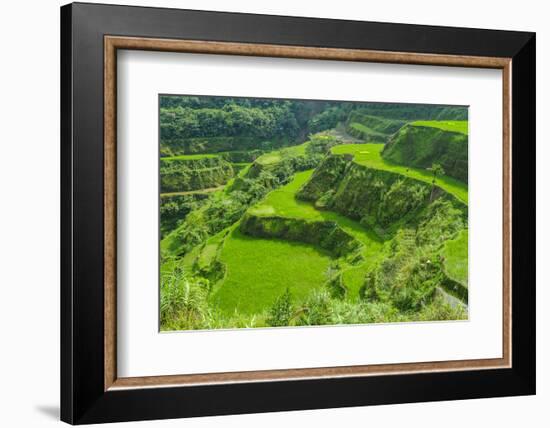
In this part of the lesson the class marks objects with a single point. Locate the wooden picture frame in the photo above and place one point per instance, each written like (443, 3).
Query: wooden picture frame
(91, 390)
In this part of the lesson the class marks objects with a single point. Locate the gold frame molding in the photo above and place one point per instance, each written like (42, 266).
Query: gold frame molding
(113, 43)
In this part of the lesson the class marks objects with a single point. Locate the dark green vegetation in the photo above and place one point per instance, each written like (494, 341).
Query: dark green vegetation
(290, 213)
(372, 155)
(420, 144)
(180, 175)
(372, 128)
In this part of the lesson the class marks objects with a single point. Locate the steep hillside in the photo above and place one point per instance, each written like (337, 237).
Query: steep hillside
(174, 209)
(460, 126)
(371, 128)
(217, 124)
(225, 207)
(196, 145)
(420, 146)
(371, 155)
(412, 214)
(193, 173)
(411, 112)
(377, 198)
(327, 235)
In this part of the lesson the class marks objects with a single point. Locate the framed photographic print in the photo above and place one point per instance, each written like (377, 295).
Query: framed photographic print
(265, 213)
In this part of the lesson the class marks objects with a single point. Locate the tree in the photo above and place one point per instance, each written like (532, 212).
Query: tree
(280, 313)
(436, 170)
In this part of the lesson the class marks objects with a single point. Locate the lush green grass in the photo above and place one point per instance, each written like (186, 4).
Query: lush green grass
(259, 270)
(456, 257)
(460, 126)
(377, 124)
(269, 158)
(276, 156)
(283, 202)
(366, 130)
(215, 274)
(370, 155)
(240, 173)
(188, 157)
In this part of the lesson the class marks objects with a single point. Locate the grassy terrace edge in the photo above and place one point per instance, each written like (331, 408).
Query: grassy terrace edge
(368, 154)
(459, 126)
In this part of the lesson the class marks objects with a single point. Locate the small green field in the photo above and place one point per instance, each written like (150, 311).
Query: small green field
(261, 267)
(455, 253)
(259, 270)
(370, 155)
(365, 130)
(283, 202)
(445, 125)
(276, 156)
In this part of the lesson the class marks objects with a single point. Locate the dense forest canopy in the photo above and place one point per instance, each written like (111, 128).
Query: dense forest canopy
(288, 121)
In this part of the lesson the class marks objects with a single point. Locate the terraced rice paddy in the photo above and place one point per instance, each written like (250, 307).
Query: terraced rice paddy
(370, 155)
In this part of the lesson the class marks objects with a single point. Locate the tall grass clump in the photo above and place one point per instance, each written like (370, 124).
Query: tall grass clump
(182, 301)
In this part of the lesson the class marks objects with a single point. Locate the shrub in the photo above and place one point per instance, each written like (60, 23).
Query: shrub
(281, 312)
(174, 209)
(441, 221)
(320, 144)
(182, 302)
(441, 310)
(316, 310)
(328, 118)
(324, 233)
(346, 312)
(335, 282)
(403, 196)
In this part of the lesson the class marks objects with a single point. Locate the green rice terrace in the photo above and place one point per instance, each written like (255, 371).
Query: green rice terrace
(296, 213)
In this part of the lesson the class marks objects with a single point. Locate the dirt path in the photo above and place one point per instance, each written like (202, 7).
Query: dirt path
(342, 134)
(193, 192)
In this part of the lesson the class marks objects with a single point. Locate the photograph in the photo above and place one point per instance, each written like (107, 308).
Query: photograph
(293, 213)
(263, 211)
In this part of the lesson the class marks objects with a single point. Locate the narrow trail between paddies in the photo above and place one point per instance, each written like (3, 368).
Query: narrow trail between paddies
(193, 192)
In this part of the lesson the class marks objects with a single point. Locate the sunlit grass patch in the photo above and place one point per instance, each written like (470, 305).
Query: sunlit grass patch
(455, 253)
(445, 125)
(259, 270)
